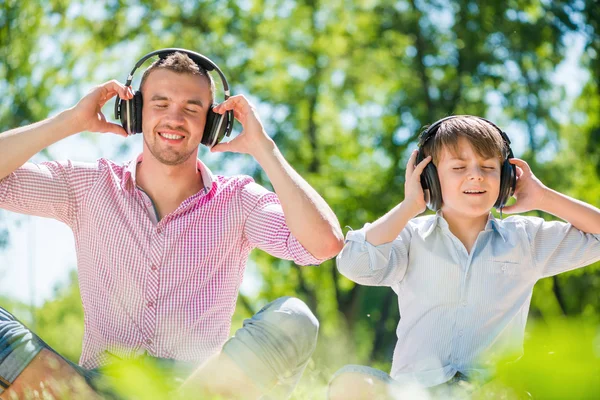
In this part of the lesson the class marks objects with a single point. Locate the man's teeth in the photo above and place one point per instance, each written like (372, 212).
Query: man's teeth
(474, 191)
(170, 136)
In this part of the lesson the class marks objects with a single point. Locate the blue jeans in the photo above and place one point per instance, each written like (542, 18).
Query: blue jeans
(272, 348)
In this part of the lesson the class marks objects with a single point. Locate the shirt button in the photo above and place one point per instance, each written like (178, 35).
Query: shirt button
(464, 304)
(460, 333)
(158, 230)
(149, 342)
(153, 268)
(503, 267)
(150, 304)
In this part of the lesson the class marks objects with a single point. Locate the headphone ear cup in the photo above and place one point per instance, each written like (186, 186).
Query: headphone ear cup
(124, 111)
(138, 104)
(430, 175)
(430, 182)
(208, 137)
(131, 114)
(216, 127)
(508, 180)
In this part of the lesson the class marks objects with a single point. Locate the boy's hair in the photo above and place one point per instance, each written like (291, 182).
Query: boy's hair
(484, 137)
(182, 64)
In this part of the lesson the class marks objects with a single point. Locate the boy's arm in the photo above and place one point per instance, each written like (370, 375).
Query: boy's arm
(377, 255)
(20, 144)
(532, 194)
(388, 227)
(308, 216)
(581, 215)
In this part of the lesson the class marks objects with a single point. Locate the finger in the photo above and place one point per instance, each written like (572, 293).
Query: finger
(421, 166)
(234, 102)
(410, 164)
(224, 147)
(520, 163)
(113, 88)
(114, 128)
(520, 172)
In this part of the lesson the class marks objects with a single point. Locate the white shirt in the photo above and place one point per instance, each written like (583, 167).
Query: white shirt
(461, 311)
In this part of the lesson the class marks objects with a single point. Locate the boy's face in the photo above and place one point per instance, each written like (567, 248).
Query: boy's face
(470, 183)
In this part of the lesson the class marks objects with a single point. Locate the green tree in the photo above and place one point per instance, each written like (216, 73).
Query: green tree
(344, 87)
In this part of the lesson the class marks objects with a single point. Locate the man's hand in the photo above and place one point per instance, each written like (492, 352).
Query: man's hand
(88, 111)
(253, 140)
(529, 192)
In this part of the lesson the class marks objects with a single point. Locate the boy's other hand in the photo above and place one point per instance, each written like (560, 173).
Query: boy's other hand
(529, 192)
(413, 192)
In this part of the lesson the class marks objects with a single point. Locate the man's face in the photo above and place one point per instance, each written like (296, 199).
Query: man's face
(470, 183)
(174, 114)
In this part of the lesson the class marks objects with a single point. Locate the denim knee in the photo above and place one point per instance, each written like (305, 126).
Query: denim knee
(18, 346)
(293, 317)
(274, 346)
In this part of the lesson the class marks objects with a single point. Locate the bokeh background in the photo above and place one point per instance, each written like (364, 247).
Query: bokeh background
(344, 88)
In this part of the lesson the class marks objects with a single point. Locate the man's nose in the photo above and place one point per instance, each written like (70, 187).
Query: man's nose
(175, 115)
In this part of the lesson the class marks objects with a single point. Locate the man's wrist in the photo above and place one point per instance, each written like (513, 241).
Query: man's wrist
(69, 119)
(264, 150)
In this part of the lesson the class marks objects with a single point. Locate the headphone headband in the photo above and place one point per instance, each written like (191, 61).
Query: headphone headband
(430, 180)
(432, 129)
(198, 58)
(216, 127)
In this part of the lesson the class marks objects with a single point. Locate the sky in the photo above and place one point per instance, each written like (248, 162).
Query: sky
(30, 276)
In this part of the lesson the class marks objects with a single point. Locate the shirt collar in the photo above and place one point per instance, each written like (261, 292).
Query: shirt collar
(131, 167)
(492, 224)
(496, 225)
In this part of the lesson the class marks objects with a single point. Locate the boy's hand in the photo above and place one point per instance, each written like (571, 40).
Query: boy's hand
(529, 192)
(413, 192)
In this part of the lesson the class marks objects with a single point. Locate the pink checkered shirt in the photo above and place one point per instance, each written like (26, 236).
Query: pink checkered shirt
(165, 288)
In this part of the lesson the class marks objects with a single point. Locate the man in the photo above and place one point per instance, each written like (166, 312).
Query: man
(162, 243)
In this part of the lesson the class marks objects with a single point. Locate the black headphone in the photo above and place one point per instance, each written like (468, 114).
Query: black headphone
(430, 180)
(130, 111)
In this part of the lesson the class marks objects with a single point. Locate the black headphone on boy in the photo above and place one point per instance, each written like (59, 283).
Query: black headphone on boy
(430, 180)
(130, 111)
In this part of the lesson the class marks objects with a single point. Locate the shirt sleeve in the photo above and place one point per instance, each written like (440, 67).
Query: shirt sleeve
(558, 246)
(50, 189)
(266, 228)
(382, 265)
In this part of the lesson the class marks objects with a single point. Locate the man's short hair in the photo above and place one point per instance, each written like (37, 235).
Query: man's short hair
(180, 63)
(484, 137)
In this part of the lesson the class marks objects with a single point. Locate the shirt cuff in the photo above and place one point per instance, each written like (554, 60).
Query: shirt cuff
(300, 255)
(379, 256)
(4, 187)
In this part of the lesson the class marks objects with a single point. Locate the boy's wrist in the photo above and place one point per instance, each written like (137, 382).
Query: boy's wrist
(411, 209)
(545, 202)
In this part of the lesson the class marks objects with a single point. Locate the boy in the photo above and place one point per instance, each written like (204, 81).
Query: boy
(464, 279)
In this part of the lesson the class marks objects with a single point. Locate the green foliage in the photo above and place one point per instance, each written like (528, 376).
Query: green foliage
(344, 88)
(561, 361)
(62, 317)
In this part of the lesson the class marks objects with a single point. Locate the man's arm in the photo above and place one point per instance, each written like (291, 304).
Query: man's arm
(308, 216)
(532, 194)
(20, 144)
